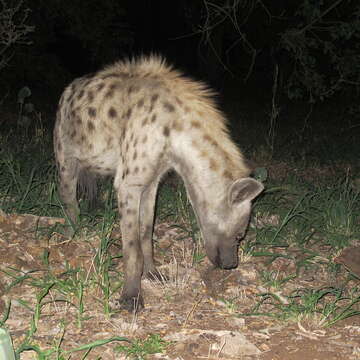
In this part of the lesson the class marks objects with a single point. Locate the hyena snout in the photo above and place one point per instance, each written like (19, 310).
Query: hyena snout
(224, 257)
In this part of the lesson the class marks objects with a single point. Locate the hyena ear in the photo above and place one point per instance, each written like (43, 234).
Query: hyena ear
(244, 189)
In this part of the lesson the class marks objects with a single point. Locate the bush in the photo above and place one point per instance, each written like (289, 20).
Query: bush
(14, 29)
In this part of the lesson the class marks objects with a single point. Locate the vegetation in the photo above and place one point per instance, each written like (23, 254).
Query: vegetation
(14, 29)
(306, 223)
(307, 216)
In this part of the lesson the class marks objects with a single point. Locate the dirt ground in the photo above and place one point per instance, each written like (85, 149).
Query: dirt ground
(197, 310)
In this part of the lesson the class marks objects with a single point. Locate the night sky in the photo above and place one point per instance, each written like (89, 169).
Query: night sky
(225, 43)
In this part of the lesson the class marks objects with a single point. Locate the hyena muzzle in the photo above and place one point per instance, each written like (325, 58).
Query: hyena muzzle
(136, 120)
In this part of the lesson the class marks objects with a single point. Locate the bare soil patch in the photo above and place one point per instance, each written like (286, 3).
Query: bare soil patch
(197, 310)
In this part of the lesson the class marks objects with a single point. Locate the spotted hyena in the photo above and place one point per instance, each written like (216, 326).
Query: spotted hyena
(135, 120)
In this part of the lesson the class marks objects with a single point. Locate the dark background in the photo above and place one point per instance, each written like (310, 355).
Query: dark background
(294, 54)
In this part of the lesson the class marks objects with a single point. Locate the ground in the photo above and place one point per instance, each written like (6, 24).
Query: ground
(199, 311)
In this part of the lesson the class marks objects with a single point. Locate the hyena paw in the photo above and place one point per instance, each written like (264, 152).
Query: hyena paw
(130, 303)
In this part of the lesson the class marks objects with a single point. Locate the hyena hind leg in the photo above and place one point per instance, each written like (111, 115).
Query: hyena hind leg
(147, 209)
(68, 179)
(128, 202)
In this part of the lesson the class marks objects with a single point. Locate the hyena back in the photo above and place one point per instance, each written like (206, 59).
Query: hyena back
(135, 120)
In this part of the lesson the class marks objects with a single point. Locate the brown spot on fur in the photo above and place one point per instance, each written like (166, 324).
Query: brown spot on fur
(90, 96)
(112, 112)
(227, 175)
(115, 85)
(132, 89)
(168, 107)
(73, 134)
(109, 94)
(78, 121)
(208, 138)
(144, 122)
(166, 131)
(91, 111)
(82, 138)
(136, 170)
(214, 166)
(153, 100)
(62, 169)
(178, 101)
(195, 124)
(128, 114)
(135, 155)
(100, 86)
(177, 126)
(80, 95)
(153, 118)
(91, 126)
(140, 103)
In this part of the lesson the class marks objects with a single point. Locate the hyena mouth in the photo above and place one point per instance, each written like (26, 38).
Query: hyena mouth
(226, 260)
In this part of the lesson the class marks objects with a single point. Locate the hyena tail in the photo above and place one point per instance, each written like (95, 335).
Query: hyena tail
(87, 187)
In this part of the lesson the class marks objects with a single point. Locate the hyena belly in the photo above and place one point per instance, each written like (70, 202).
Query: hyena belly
(135, 120)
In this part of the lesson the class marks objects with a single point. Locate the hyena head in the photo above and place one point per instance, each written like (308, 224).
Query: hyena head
(227, 224)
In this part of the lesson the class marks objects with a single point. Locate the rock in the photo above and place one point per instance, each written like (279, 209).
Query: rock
(223, 342)
(233, 343)
(350, 259)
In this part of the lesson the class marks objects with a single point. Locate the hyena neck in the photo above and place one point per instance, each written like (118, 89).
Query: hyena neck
(208, 181)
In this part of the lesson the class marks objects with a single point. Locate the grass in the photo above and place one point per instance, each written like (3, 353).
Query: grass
(321, 307)
(139, 349)
(295, 221)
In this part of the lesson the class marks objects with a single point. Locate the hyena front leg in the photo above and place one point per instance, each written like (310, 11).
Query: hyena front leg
(129, 203)
(68, 178)
(147, 209)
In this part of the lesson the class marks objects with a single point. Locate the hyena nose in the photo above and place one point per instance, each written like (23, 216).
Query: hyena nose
(227, 260)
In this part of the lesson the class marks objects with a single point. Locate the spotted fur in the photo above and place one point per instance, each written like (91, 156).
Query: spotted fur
(135, 120)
